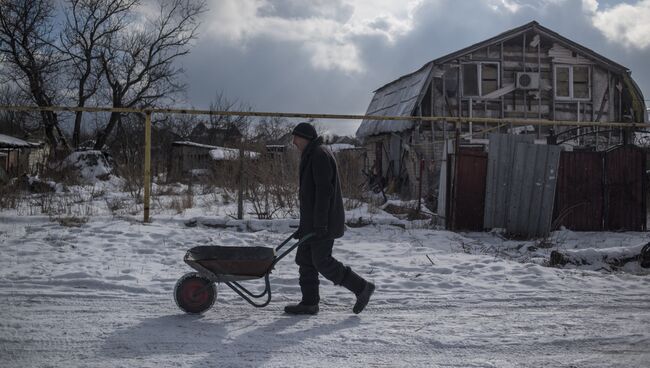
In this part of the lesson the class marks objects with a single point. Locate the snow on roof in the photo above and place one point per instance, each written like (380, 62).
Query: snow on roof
(395, 99)
(222, 154)
(336, 147)
(218, 153)
(7, 141)
(193, 144)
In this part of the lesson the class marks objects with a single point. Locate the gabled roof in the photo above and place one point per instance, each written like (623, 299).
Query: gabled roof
(534, 26)
(574, 46)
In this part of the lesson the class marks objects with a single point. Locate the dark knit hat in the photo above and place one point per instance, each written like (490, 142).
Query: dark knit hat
(306, 131)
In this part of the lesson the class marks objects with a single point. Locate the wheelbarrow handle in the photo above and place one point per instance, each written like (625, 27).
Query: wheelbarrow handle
(304, 238)
(292, 247)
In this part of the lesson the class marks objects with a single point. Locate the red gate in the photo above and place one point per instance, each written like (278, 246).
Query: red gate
(624, 195)
(580, 187)
(601, 190)
(468, 190)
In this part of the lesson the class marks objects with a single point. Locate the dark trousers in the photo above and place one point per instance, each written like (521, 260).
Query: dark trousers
(314, 257)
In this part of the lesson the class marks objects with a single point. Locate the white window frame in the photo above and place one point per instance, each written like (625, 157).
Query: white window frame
(479, 71)
(570, 67)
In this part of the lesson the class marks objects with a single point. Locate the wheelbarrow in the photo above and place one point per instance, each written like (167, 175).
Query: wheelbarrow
(196, 292)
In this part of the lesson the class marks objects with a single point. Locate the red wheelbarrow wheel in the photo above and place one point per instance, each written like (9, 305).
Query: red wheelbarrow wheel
(194, 294)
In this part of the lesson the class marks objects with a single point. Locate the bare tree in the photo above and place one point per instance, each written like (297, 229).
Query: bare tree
(241, 123)
(139, 64)
(88, 24)
(30, 60)
(272, 129)
(15, 123)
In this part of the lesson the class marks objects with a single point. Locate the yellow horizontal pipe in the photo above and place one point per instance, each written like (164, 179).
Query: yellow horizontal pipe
(450, 119)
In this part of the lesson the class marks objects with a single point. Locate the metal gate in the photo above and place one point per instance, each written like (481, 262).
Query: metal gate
(467, 202)
(624, 189)
(601, 190)
(579, 201)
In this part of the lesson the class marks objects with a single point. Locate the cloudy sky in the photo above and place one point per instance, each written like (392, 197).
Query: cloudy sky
(327, 56)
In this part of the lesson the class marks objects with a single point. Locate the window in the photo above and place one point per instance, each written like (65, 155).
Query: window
(573, 82)
(470, 80)
(480, 79)
(489, 78)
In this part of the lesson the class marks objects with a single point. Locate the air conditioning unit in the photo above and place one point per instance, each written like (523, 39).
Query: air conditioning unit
(527, 80)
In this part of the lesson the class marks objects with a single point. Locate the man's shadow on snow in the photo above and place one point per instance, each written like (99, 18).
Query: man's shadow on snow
(183, 334)
(175, 334)
(237, 349)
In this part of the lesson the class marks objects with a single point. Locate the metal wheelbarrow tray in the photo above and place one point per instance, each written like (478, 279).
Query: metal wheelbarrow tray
(232, 262)
(196, 292)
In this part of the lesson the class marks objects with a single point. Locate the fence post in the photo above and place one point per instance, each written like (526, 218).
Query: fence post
(240, 188)
(147, 164)
(420, 186)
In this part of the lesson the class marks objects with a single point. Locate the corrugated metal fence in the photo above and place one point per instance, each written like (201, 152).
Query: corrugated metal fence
(532, 189)
(500, 165)
(521, 180)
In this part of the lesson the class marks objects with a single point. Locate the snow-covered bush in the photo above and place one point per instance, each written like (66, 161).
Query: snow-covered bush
(91, 166)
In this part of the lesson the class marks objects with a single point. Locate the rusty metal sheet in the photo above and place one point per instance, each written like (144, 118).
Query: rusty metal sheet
(625, 184)
(398, 98)
(579, 203)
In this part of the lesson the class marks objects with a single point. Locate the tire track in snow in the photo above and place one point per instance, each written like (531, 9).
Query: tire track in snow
(139, 330)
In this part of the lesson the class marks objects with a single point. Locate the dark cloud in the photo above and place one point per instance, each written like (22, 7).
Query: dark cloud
(278, 75)
(300, 9)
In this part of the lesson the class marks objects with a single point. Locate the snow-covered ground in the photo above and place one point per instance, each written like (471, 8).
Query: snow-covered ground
(100, 295)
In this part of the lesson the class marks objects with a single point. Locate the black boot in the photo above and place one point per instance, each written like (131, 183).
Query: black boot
(364, 297)
(301, 308)
(361, 288)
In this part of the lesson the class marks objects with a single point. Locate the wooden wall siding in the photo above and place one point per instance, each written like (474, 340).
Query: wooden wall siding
(625, 184)
(539, 103)
(499, 173)
(562, 55)
(371, 151)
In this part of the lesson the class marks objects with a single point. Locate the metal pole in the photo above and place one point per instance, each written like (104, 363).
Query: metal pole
(147, 164)
(457, 119)
(240, 190)
(420, 186)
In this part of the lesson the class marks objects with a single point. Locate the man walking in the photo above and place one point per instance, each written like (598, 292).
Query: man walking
(321, 212)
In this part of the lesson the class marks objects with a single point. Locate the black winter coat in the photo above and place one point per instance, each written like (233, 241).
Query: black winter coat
(321, 202)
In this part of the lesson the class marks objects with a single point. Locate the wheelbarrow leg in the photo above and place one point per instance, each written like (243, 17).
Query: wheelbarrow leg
(243, 292)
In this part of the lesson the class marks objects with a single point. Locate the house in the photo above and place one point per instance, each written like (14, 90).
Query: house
(195, 159)
(18, 156)
(529, 72)
(219, 136)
